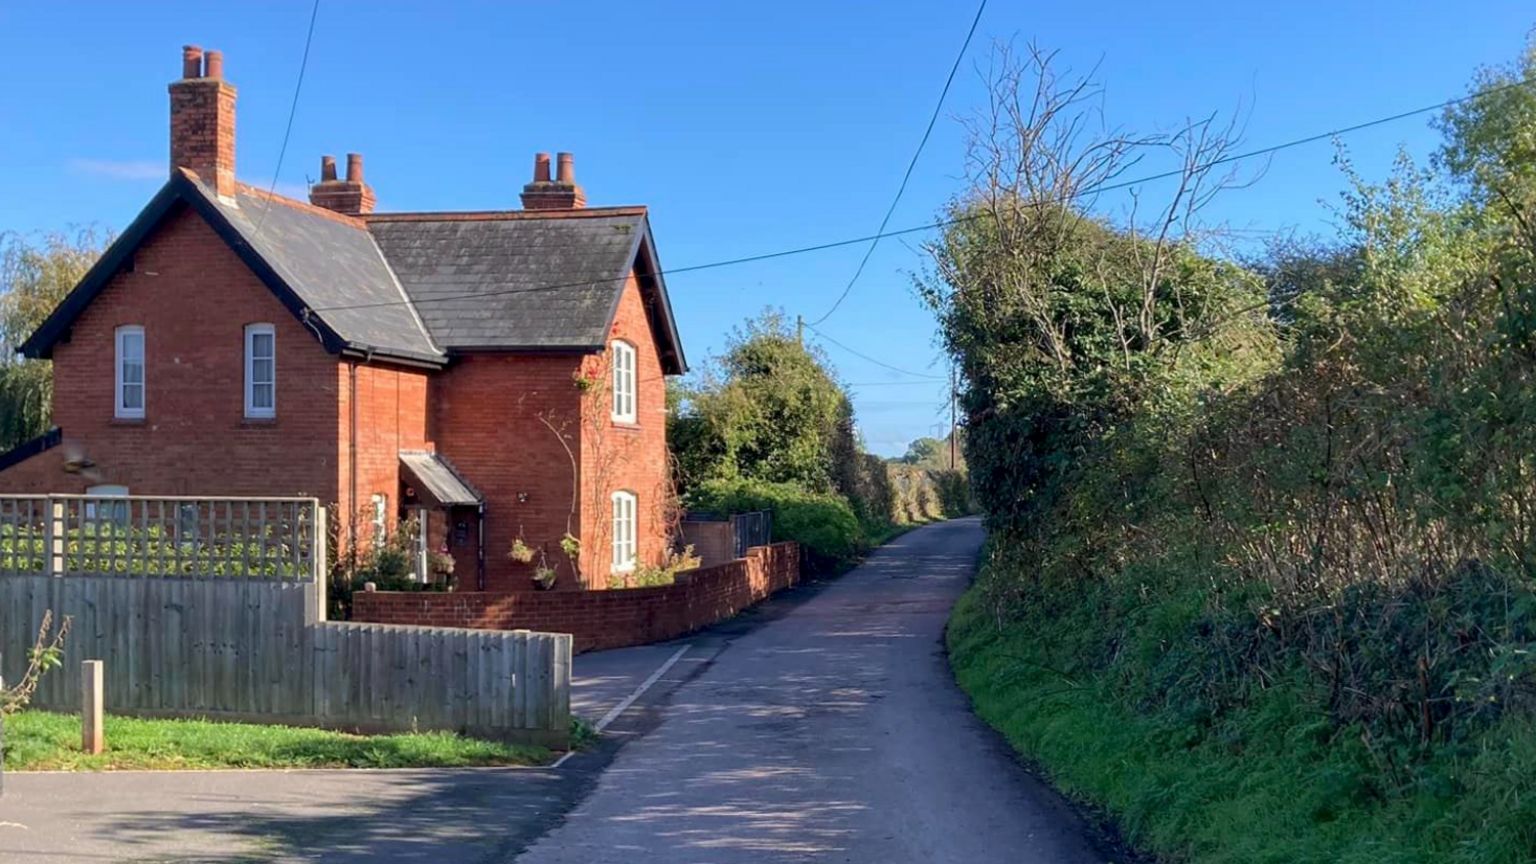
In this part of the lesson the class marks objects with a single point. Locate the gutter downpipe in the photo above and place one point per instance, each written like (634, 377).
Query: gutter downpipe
(480, 552)
(352, 453)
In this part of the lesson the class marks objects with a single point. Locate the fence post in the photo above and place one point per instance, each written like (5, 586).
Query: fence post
(315, 594)
(91, 684)
(53, 537)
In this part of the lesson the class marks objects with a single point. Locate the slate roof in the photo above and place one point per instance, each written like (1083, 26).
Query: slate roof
(417, 286)
(437, 479)
(335, 268)
(513, 282)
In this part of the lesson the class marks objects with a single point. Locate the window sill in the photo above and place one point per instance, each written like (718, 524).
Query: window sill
(127, 421)
(626, 425)
(257, 422)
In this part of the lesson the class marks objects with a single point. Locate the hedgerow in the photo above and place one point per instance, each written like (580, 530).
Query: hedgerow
(1263, 538)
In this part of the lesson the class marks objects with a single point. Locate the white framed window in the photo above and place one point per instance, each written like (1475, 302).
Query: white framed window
(380, 518)
(106, 511)
(129, 374)
(623, 382)
(623, 531)
(260, 371)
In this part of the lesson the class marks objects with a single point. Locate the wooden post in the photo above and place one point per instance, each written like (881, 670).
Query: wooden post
(91, 681)
(53, 537)
(315, 595)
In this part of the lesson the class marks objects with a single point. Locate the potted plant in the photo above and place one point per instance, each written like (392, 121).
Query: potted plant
(521, 552)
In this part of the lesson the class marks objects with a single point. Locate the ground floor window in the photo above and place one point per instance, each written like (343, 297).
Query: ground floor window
(107, 511)
(380, 519)
(623, 531)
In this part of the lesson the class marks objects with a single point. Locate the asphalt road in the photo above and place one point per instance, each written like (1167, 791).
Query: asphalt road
(832, 732)
(822, 725)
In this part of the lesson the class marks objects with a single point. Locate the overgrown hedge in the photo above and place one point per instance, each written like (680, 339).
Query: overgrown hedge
(824, 525)
(1262, 569)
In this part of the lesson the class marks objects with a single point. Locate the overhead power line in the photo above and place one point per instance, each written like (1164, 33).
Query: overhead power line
(905, 178)
(880, 363)
(944, 223)
(293, 108)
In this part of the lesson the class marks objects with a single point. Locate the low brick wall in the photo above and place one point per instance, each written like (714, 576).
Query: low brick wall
(600, 619)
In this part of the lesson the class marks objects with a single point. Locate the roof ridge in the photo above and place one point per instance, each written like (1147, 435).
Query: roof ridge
(296, 204)
(410, 302)
(505, 215)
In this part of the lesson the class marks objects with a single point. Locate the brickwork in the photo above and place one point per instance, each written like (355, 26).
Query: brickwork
(600, 619)
(533, 432)
(618, 456)
(501, 419)
(193, 296)
(203, 121)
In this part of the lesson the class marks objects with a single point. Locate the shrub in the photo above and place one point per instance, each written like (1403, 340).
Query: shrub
(823, 524)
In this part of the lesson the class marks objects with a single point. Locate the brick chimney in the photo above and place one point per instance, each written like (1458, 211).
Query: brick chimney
(203, 120)
(350, 196)
(561, 193)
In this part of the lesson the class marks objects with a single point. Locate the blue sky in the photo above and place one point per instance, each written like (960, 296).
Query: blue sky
(746, 128)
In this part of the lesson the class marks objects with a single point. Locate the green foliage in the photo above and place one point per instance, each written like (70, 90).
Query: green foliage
(1262, 576)
(1265, 781)
(665, 573)
(771, 412)
(769, 409)
(390, 563)
(45, 655)
(157, 550)
(822, 523)
(41, 741)
(35, 274)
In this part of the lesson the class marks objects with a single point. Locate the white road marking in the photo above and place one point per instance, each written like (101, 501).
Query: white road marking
(616, 711)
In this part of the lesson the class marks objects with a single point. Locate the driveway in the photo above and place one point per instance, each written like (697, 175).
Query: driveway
(831, 733)
(822, 725)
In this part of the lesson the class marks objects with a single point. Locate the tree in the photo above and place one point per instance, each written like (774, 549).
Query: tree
(1063, 318)
(923, 451)
(35, 274)
(769, 409)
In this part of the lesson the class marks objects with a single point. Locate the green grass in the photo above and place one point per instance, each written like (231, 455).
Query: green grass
(1268, 785)
(38, 740)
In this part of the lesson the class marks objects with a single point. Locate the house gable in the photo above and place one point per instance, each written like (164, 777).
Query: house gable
(274, 264)
(193, 296)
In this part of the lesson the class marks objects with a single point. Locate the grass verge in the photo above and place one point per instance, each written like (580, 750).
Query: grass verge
(1268, 785)
(39, 740)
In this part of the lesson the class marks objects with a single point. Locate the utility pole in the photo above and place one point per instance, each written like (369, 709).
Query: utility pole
(800, 330)
(951, 416)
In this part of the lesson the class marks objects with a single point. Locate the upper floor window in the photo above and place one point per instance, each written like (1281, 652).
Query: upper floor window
(624, 382)
(129, 399)
(260, 370)
(624, 531)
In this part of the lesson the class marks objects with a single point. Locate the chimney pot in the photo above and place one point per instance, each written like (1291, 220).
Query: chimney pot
(565, 170)
(191, 61)
(203, 120)
(351, 196)
(541, 167)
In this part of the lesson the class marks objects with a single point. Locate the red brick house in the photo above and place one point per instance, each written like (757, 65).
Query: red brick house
(498, 374)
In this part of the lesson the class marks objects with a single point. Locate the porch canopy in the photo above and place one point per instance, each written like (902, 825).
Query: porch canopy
(435, 481)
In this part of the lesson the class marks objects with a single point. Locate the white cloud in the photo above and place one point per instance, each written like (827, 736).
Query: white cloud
(126, 169)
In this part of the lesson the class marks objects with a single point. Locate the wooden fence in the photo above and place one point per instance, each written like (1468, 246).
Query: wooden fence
(250, 642)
